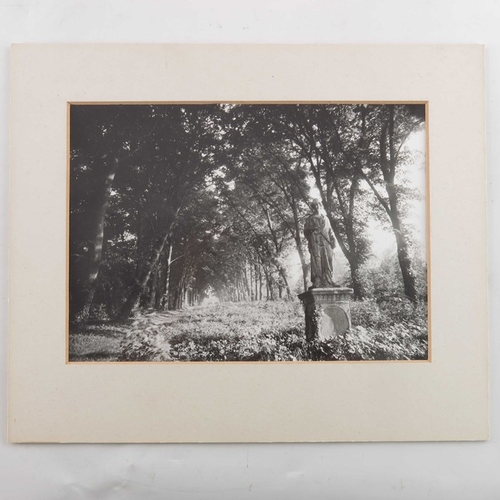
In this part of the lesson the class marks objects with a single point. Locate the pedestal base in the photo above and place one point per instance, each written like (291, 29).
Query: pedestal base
(327, 311)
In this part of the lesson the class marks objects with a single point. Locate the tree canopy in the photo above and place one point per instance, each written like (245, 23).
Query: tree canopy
(172, 204)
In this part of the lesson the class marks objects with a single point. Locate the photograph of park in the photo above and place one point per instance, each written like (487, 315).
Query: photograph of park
(269, 232)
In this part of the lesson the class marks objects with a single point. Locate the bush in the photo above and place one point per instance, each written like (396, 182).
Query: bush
(283, 345)
(144, 342)
(391, 311)
(393, 328)
(365, 313)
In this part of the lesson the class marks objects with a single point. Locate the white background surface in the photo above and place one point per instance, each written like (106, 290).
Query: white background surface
(344, 471)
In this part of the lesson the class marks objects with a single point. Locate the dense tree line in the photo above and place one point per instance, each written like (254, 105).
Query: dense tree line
(172, 203)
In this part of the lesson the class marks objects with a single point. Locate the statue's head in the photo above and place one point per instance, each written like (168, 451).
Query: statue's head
(315, 206)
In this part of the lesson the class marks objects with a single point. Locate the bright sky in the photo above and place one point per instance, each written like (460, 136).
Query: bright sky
(415, 174)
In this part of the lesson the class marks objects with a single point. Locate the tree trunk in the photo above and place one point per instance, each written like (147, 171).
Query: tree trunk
(256, 275)
(285, 281)
(356, 280)
(97, 245)
(247, 284)
(389, 172)
(302, 264)
(409, 282)
(139, 285)
(160, 286)
(162, 293)
(252, 288)
(89, 298)
(298, 243)
(154, 286)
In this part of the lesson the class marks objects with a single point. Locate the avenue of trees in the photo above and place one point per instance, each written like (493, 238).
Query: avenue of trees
(171, 204)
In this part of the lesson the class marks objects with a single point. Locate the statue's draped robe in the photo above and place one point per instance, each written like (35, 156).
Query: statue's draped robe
(321, 241)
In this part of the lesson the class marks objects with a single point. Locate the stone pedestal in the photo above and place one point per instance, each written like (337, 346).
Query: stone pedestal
(327, 311)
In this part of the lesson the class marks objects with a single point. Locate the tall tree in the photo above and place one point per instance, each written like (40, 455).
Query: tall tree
(103, 138)
(381, 169)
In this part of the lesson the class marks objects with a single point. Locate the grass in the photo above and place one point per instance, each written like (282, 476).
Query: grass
(255, 331)
(96, 342)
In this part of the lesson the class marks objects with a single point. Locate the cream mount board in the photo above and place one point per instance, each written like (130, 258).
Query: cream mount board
(445, 398)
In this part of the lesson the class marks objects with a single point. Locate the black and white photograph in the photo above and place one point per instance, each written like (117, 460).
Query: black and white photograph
(248, 232)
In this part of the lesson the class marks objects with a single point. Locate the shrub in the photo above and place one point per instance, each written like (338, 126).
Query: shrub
(369, 313)
(144, 342)
(365, 313)
(282, 345)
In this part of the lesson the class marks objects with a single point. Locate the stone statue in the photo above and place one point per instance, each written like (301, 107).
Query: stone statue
(321, 240)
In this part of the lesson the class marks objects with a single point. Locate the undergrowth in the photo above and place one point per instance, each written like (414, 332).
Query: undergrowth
(395, 330)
